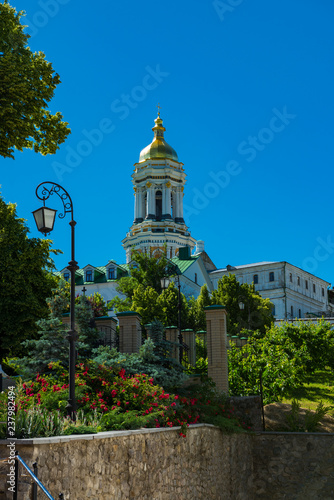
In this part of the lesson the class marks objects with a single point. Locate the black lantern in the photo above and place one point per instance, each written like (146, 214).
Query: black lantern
(45, 219)
(165, 282)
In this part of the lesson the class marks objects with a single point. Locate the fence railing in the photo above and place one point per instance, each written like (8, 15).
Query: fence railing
(108, 337)
(36, 481)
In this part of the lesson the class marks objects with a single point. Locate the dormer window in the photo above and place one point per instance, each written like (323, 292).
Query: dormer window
(111, 273)
(66, 276)
(89, 275)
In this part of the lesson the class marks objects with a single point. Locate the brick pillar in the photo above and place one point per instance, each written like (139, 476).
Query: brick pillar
(172, 336)
(129, 332)
(217, 346)
(189, 339)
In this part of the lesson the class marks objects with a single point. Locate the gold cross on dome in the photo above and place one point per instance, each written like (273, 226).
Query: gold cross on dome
(158, 109)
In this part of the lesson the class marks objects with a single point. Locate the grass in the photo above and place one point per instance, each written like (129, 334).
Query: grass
(318, 387)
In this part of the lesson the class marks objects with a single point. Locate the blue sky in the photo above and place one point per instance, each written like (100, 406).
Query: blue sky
(246, 94)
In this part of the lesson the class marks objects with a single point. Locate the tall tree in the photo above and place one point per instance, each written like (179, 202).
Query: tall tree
(52, 344)
(197, 318)
(145, 302)
(143, 291)
(149, 270)
(145, 271)
(257, 312)
(168, 304)
(28, 82)
(25, 281)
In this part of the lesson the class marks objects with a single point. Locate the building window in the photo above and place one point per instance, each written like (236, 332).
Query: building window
(273, 310)
(271, 276)
(299, 313)
(291, 311)
(66, 276)
(111, 273)
(306, 284)
(89, 275)
(290, 277)
(323, 292)
(196, 278)
(256, 279)
(313, 288)
(298, 280)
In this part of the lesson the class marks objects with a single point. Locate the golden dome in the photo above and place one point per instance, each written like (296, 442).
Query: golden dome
(158, 147)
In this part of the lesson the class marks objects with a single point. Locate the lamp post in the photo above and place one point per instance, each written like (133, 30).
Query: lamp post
(165, 282)
(242, 307)
(44, 218)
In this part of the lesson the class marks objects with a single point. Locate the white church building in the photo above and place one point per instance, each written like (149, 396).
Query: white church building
(158, 182)
(294, 293)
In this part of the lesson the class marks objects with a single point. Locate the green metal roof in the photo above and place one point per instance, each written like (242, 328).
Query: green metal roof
(183, 265)
(100, 274)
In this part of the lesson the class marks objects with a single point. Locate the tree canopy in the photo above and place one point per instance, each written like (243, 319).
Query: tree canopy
(143, 291)
(25, 280)
(283, 357)
(149, 270)
(257, 312)
(28, 82)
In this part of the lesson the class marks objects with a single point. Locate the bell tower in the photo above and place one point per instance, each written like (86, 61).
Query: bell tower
(158, 182)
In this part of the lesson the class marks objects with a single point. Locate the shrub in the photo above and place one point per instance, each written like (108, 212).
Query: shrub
(108, 398)
(310, 422)
(167, 374)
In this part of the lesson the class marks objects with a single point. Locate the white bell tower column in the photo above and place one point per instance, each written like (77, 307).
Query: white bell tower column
(158, 179)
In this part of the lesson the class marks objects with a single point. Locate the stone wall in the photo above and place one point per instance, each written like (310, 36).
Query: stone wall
(150, 464)
(158, 464)
(296, 466)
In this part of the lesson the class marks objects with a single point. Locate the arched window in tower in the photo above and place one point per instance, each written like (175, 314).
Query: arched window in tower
(172, 199)
(145, 205)
(158, 205)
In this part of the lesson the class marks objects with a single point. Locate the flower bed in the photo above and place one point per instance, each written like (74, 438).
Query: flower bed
(109, 399)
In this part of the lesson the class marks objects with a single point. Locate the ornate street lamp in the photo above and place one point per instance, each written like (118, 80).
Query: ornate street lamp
(165, 282)
(44, 218)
